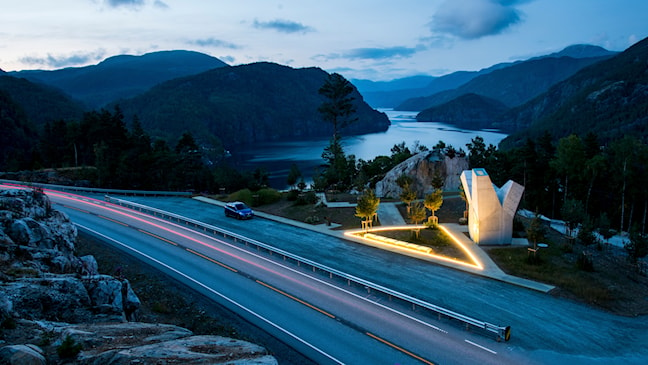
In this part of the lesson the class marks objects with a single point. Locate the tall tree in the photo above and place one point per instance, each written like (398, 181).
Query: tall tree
(337, 108)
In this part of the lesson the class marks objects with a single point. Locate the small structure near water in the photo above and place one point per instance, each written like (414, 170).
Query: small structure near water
(490, 209)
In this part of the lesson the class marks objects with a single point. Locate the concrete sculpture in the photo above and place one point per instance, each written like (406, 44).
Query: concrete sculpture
(490, 209)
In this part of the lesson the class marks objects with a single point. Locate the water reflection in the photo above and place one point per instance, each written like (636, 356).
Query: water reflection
(277, 157)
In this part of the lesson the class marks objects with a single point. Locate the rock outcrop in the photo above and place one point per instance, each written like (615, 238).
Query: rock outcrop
(57, 308)
(423, 168)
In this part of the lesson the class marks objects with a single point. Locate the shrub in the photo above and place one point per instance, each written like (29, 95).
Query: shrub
(68, 349)
(292, 195)
(244, 195)
(584, 262)
(306, 198)
(267, 196)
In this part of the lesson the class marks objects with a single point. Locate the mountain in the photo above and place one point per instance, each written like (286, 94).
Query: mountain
(609, 98)
(581, 51)
(468, 111)
(412, 82)
(392, 93)
(513, 85)
(244, 105)
(40, 103)
(123, 76)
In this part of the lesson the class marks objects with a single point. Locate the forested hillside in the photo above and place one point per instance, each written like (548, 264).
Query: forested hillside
(513, 85)
(245, 104)
(468, 111)
(609, 98)
(123, 76)
(40, 103)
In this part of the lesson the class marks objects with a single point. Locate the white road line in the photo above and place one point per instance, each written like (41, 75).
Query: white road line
(481, 347)
(322, 352)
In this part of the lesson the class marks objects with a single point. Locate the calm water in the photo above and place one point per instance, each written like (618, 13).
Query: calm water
(277, 157)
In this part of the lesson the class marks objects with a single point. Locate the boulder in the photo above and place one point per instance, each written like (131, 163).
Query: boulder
(22, 355)
(422, 168)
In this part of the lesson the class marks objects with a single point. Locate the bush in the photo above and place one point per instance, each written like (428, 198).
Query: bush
(292, 195)
(306, 198)
(584, 262)
(68, 349)
(267, 196)
(244, 195)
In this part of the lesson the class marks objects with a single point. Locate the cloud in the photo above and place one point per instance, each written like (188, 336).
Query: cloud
(380, 53)
(283, 26)
(212, 42)
(373, 53)
(134, 4)
(125, 3)
(471, 19)
(60, 61)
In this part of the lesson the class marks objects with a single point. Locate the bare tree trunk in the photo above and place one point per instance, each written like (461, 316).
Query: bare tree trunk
(625, 163)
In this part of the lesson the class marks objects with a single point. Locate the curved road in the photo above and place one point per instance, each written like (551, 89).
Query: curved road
(338, 325)
(327, 322)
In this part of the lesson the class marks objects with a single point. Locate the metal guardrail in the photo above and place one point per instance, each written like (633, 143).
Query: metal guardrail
(97, 190)
(501, 332)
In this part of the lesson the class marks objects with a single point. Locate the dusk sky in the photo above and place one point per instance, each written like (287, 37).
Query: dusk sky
(367, 39)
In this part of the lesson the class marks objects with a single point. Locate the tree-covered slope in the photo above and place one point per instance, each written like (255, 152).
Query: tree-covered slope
(468, 111)
(609, 98)
(39, 103)
(513, 85)
(123, 76)
(245, 104)
(17, 136)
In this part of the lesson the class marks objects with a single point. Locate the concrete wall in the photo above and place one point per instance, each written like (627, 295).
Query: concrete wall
(490, 209)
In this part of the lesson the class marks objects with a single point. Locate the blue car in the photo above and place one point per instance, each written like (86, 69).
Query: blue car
(238, 210)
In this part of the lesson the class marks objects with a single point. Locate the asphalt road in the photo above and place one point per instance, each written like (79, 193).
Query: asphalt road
(324, 321)
(546, 329)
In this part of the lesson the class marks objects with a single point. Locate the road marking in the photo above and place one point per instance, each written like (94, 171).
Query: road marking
(158, 237)
(212, 260)
(112, 220)
(228, 299)
(296, 299)
(399, 348)
(482, 347)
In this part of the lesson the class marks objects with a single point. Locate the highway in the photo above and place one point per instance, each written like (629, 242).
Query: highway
(324, 321)
(337, 324)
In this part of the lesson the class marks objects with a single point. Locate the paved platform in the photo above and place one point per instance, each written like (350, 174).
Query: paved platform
(489, 268)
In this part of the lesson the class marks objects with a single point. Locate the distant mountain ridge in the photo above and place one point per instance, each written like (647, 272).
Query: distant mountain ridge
(392, 94)
(609, 98)
(244, 105)
(468, 111)
(123, 76)
(512, 85)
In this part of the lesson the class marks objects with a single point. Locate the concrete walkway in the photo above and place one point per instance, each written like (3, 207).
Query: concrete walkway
(391, 214)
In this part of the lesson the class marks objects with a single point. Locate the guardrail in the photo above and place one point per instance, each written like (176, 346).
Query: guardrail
(97, 190)
(501, 332)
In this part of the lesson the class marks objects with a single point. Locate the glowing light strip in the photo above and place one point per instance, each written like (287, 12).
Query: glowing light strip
(475, 261)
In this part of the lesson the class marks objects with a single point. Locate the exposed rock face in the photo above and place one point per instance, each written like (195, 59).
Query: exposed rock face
(422, 168)
(48, 295)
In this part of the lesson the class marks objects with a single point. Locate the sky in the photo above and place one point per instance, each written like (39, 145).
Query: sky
(377, 40)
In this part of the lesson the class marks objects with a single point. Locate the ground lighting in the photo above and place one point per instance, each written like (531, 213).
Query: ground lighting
(381, 241)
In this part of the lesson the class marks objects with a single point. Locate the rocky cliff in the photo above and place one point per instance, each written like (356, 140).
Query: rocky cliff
(422, 168)
(56, 307)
